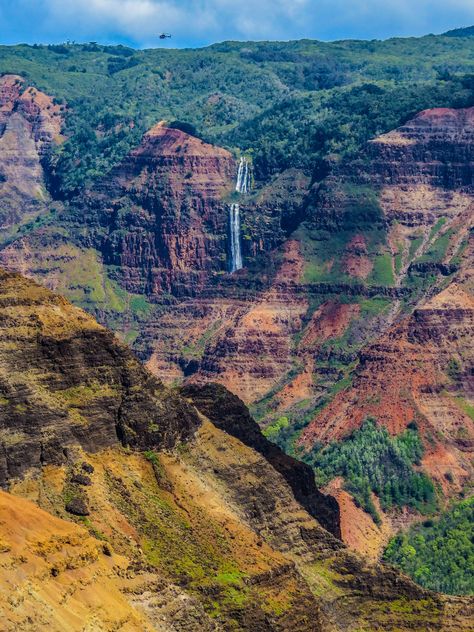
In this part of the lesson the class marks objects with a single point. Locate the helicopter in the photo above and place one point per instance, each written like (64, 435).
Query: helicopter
(165, 36)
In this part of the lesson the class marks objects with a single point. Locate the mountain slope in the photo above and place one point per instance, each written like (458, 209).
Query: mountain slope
(55, 576)
(377, 235)
(207, 533)
(467, 31)
(359, 214)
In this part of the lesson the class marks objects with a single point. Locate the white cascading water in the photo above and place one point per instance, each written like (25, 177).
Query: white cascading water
(234, 229)
(242, 186)
(243, 176)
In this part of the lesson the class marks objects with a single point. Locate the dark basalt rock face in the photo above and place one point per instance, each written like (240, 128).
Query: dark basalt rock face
(65, 382)
(229, 413)
(78, 507)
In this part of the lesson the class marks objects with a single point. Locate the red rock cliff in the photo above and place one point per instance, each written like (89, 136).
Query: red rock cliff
(163, 212)
(29, 123)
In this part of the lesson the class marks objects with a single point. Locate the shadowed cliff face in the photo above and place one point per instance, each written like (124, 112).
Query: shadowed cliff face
(65, 382)
(199, 531)
(229, 413)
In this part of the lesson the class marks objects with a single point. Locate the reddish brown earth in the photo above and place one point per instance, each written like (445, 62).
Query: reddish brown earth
(345, 289)
(262, 329)
(164, 218)
(408, 375)
(404, 375)
(170, 233)
(410, 170)
(329, 321)
(356, 262)
(29, 123)
(358, 530)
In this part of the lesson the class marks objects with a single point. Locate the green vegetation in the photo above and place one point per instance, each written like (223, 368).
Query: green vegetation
(325, 252)
(374, 306)
(383, 270)
(152, 457)
(370, 460)
(139, 306)
(437, 227)
(273, 431)
(398, 261)
(83, 395)
(437, 251)
(414, 245)
(303, 104)
(465, 406)
(454, 369)
(439, 554)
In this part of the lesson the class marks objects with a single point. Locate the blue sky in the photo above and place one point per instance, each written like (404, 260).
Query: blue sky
(201, 22)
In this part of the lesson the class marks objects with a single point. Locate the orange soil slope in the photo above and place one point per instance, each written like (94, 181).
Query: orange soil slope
(54, 576)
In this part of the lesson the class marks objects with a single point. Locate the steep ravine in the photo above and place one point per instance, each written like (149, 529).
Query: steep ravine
(189, 528)
(315, 320)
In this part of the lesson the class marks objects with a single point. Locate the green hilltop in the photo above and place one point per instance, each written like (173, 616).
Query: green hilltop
(298, 104)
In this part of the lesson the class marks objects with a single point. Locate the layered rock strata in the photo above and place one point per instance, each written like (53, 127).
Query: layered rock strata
(196, 531)
(66, 382)
(30, 122)
(420, 371)
(162, 213)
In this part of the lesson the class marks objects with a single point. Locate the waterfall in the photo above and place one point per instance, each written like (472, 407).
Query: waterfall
(234, 231)
(243, 176)
(241, 186)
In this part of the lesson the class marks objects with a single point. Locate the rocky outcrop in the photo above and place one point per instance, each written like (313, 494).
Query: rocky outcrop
(30, 123)
(162, 214)
(66, 382)
(229, 413)
(435, 148)
(420, 371)
(191, 530)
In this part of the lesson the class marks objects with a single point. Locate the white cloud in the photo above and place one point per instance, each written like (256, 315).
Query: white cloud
(198, 21)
